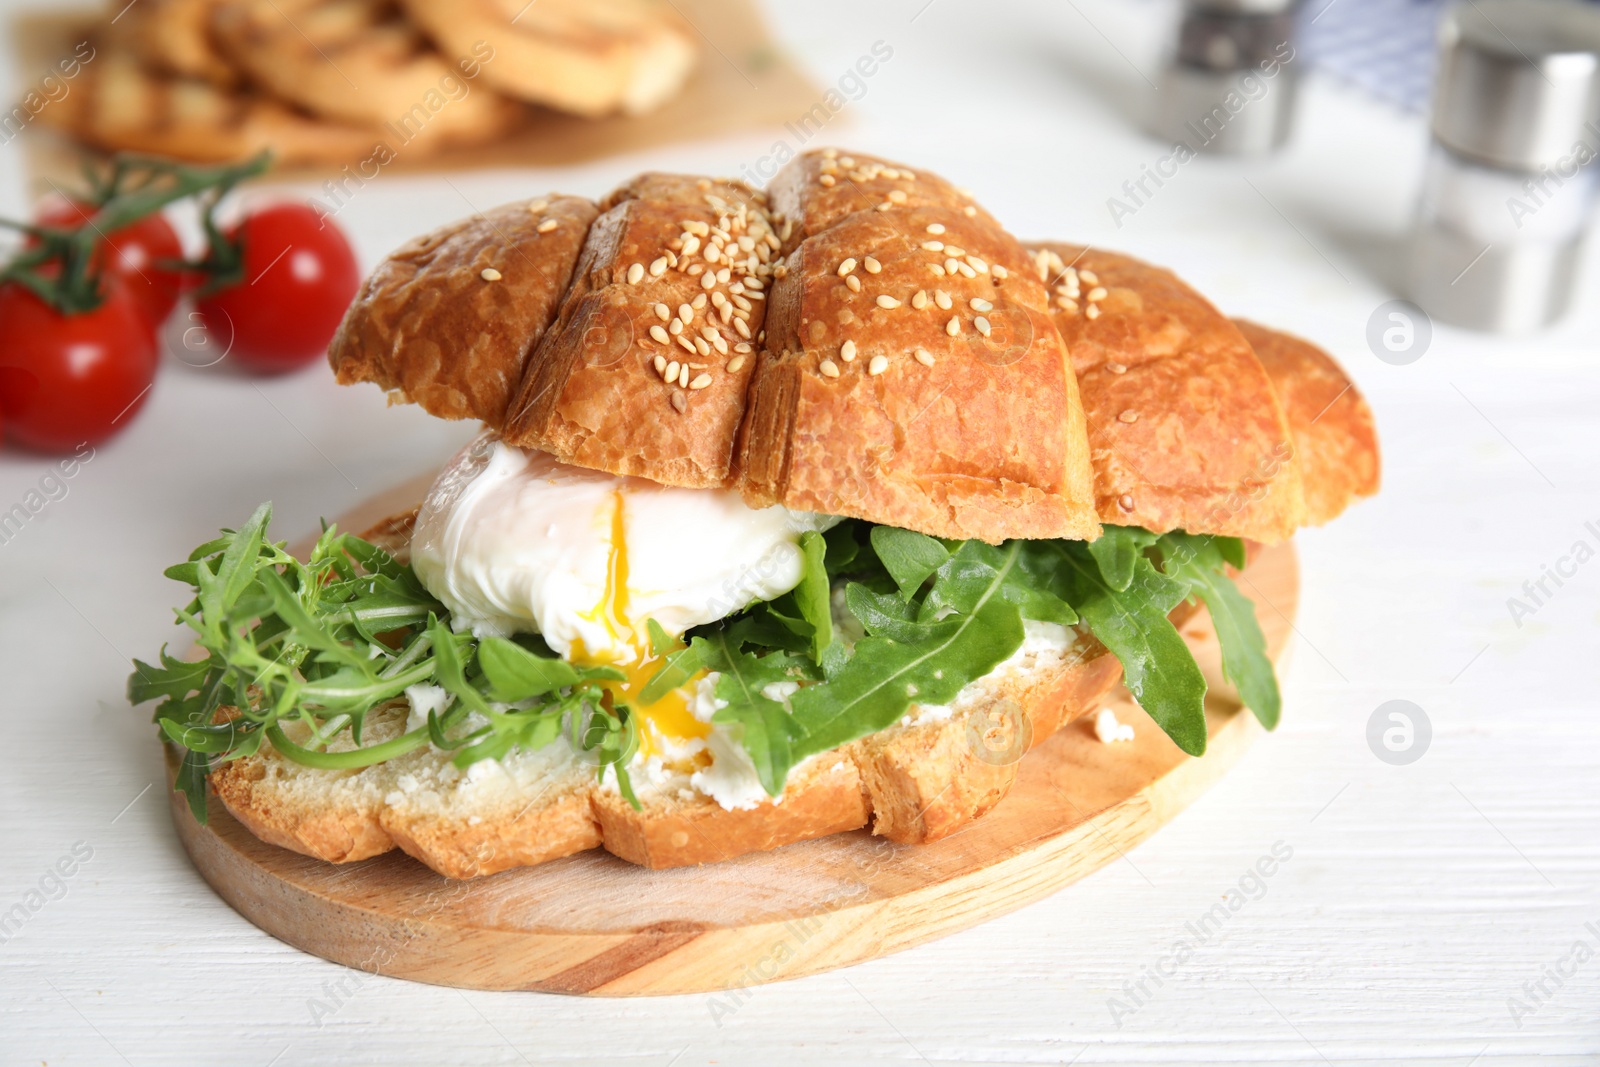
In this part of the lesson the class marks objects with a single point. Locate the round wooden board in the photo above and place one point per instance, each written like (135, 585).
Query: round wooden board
(595, 924)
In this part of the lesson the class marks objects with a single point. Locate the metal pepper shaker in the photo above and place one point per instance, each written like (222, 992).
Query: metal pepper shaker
(1509, 188)
(1230, 84)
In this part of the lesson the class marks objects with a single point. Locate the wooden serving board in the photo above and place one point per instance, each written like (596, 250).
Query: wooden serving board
(595, 924)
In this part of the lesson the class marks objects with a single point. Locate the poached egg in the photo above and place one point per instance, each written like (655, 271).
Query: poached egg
(515, 541)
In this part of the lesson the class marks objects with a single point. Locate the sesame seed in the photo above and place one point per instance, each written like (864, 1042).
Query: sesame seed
(829, 368)
(924, 357)
(1097, 293)
(698, 227)
(969, 211)
(742, 347)
(1125, 501)
(717, 342)
(701, 347)
(700, 381)
(1116, 368)
(827, 180)
(723, 275)
(942, 298)
(708, 280)
(999, 272)
(735, 364)
(920, 299)
(726, 311)
(933, 246)
(872, 265)
(717, 299)
(691, 245)
(683, 375)
(936, 227)
(982, 324)
(888, 303)
(699, 301)
(687, 345)
(636, 274)
(660, 364)
(1067, 304)
(897, 196)
(547, 225)
(489, 274)
(674, 326)
(672, 371)
(966, 270)
(1092, 312)
(955, 250)
(537, 206)
(953, 327)
(685, 313)
(658, 267)
(936, 269)
(1089, 277)
(679, 403)
(878, 365)
(853, 283)
(979, 304)
(743, 330)
(886, 205)
(977, 264)
(661, 335)
(847, 266)
(847, 351)
(694, 270)
(1128, 416)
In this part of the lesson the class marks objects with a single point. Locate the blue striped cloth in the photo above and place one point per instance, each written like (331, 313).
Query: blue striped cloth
(1386, 47)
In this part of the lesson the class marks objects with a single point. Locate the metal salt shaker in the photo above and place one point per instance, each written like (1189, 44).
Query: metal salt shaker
(1509, 186)
(1230, 86)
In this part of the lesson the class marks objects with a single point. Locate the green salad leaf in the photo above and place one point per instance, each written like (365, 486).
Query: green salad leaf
(301, 652)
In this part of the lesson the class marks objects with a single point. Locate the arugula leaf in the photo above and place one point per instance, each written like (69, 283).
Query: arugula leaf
(885, 675)
(812, 595)
(1117, 551)
(516, 674)
(677, 666)
(1156, 663)
(769, 731)
(1200, 561)
(909, 557)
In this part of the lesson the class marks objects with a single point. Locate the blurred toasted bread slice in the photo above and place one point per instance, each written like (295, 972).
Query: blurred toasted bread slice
(589, 57)
(361, 62)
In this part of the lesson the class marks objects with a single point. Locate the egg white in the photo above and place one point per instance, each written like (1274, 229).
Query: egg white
(514, 541)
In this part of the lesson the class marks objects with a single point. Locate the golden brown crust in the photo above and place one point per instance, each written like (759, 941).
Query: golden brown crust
(1335, 439)
(592, 394)
(981, 435)
(1184, 424)
(429, 325)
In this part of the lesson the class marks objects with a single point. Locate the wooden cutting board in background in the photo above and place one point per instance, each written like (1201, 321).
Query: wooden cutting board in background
(744, 81)
(595, 924)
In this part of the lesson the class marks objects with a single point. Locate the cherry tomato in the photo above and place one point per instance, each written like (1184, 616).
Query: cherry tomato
(69, 379)
(300, 275)
(132, 253)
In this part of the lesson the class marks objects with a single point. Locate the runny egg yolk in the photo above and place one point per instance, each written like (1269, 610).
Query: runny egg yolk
(669, 716)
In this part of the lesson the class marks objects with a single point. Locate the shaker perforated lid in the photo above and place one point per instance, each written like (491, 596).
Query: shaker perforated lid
(1518, 80)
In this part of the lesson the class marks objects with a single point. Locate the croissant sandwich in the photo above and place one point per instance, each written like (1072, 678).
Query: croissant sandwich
(795, 512)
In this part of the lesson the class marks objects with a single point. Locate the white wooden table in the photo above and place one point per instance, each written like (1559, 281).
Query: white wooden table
(1419, 901)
